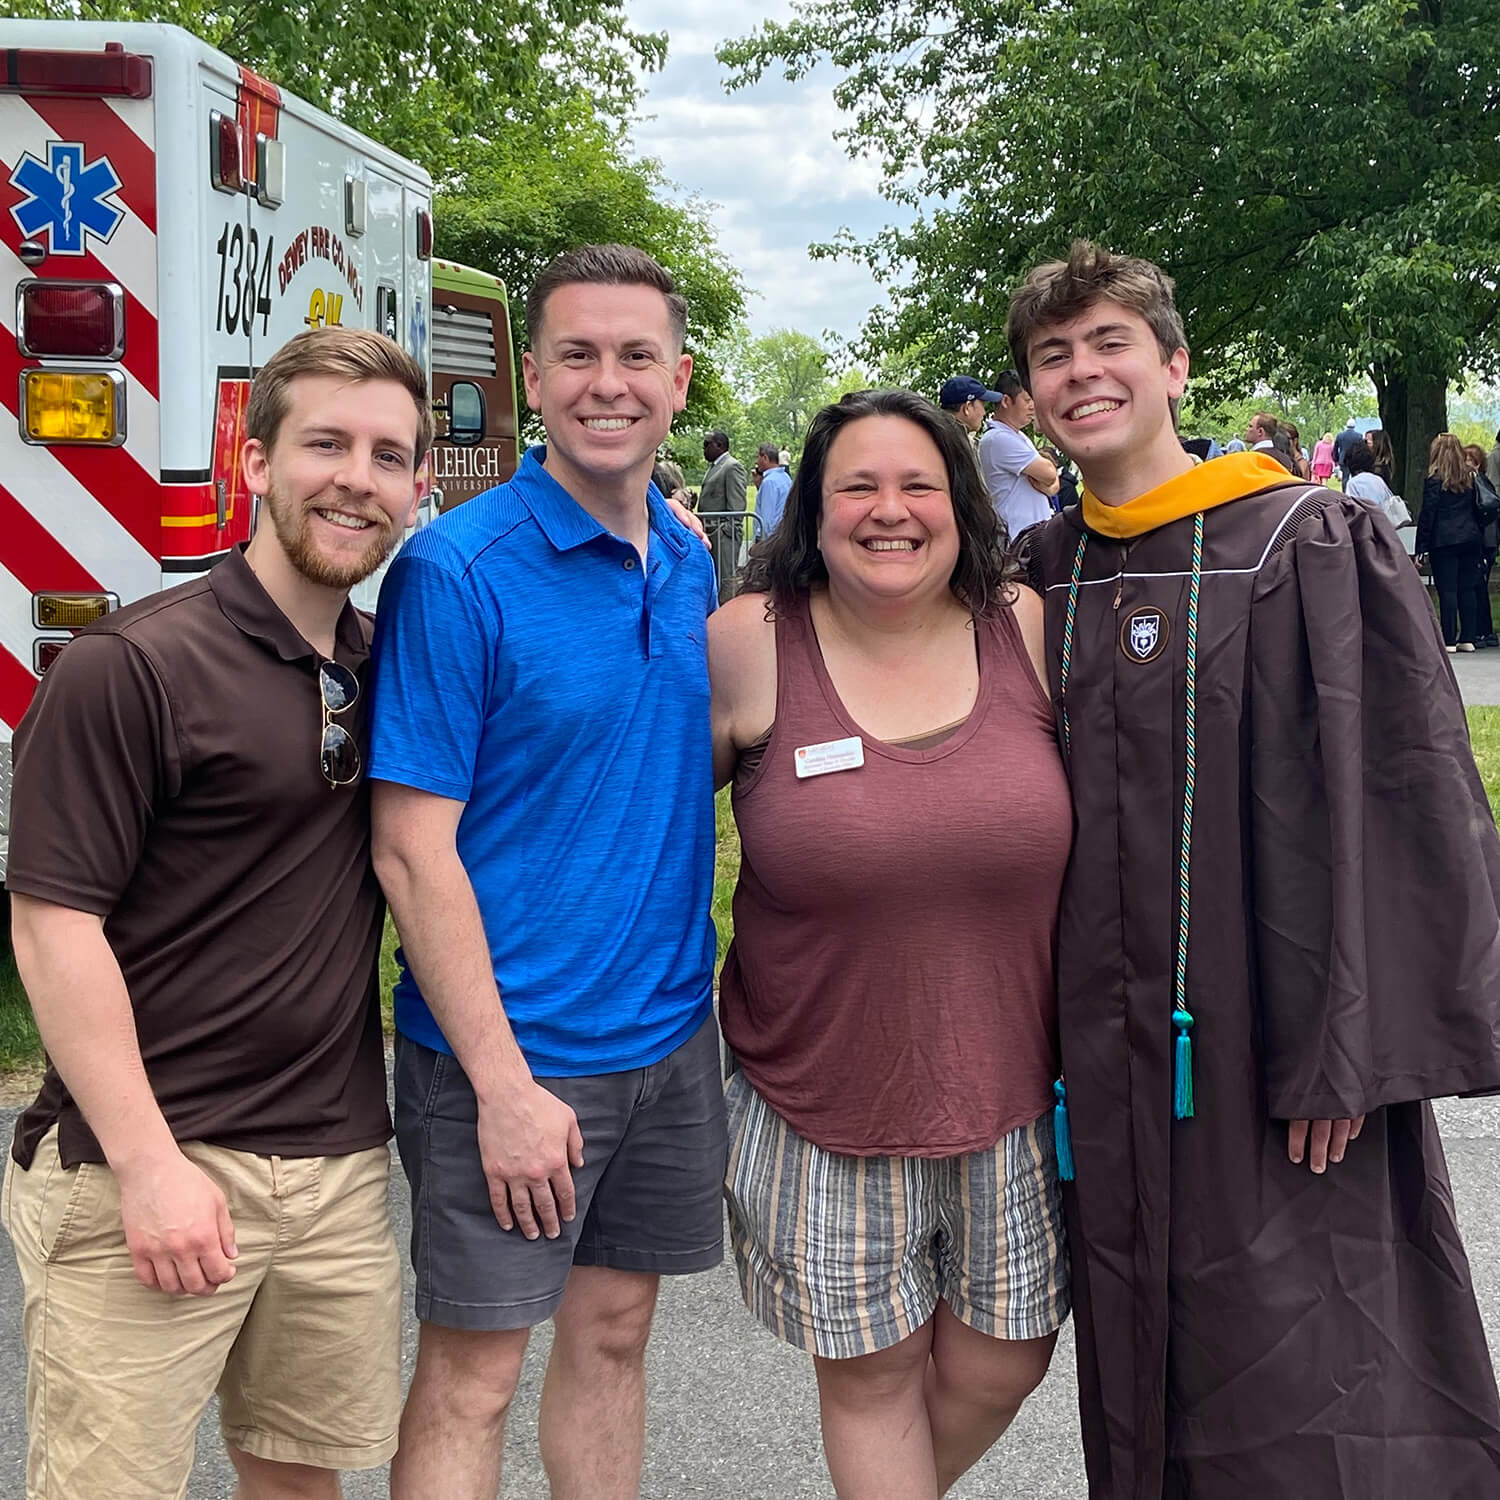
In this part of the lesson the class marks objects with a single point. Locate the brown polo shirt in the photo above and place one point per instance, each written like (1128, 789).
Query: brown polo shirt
(167, 779)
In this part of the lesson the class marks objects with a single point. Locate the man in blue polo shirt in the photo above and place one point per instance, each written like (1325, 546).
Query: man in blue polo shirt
(543, 828)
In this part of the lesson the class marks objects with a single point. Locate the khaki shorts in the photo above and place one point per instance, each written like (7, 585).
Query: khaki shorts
(302, 1346)
(846, 1255)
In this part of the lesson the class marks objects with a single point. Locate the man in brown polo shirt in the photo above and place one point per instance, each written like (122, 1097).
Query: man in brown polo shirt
(197, 1196)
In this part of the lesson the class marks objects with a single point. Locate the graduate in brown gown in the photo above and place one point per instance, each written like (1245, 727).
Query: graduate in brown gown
(1278, 940)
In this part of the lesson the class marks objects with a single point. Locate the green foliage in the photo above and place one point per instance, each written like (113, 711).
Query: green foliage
(1313, 414)
(1484, 735)
(518, 109)
(776, 384)
(20, 1046)
(726, 872)
(424, 77)
(1322, 177)
(390, 972)
(545, 186)
(789, 372)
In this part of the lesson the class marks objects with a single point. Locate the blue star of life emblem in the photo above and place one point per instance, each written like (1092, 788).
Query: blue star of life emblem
(66, 200)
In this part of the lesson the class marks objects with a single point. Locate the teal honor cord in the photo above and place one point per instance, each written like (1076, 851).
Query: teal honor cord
(1182, 1017)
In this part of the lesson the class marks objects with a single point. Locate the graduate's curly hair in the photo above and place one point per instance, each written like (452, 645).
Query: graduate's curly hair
(788, 564)
(1058, 290)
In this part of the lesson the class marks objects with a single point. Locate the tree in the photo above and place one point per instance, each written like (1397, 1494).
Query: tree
(423, 77)
(517, 108)
(1321, 177)
(788, 372)
(543, 187)
(778, 382)
(1313, 414)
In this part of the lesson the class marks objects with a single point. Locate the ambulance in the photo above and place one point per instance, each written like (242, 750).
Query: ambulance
(168, 219)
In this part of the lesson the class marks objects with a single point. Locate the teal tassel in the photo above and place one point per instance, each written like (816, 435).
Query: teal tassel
(1063, 1132)
(1182, 1085)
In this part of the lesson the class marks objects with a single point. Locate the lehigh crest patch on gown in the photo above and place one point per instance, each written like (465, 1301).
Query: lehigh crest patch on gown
(1144, 633)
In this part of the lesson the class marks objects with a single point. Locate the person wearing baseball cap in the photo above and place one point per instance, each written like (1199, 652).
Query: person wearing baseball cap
(965, 397)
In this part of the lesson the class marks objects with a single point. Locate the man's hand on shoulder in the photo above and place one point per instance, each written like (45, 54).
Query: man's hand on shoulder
(529, 1141)
(177, 1225)
(689, 518)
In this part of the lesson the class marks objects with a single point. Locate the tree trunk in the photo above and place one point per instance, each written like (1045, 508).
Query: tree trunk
(1413, 410)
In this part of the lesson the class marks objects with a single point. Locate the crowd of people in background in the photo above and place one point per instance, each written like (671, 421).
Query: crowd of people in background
(1454, 548)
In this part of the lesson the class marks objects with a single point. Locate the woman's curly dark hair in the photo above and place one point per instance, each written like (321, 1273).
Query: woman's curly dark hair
(787, 564)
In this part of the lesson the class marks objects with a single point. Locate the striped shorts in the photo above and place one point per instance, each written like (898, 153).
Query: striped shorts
(845, 1255)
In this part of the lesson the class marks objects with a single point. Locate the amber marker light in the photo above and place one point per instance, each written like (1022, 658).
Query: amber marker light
(73, 406)
(59, 611)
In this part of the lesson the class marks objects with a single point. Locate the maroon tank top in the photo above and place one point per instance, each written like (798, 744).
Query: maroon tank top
(889, 989)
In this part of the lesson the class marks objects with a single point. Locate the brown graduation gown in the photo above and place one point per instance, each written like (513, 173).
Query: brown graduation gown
(1246, 1329)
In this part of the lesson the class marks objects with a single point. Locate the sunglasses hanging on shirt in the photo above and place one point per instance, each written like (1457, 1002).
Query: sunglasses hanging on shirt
(339, 754)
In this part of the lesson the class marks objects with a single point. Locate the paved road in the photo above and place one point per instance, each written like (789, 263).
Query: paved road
(733, 1415)
(1478, 676)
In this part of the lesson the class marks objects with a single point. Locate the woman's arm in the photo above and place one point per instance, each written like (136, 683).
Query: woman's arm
(742, 674)
(1028, 612)
(1426, 518)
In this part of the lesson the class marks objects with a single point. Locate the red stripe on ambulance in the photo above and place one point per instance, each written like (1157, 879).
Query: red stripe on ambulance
(110, 475)
(34, 556)
(259, 113)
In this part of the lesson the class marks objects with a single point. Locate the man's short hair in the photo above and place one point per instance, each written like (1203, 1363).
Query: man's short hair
(604, 265)
(716, 439)
(1009, 384)
(351, 354)
(1060, 290)
(771, 451)
(1267, 424)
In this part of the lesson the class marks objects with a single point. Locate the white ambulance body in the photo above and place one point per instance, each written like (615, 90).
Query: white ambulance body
(168, 219)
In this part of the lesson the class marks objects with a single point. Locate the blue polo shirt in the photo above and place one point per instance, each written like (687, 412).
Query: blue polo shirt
(527, 665)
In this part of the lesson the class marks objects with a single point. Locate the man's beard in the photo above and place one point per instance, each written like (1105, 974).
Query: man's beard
(293, 526)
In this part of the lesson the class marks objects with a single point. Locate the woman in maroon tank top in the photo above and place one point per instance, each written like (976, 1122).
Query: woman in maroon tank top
(904, 824)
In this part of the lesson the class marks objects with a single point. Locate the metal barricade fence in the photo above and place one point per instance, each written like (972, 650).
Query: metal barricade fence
(731, 534)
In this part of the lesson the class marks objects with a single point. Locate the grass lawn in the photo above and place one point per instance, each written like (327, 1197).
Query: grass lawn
(19, 1047)
(1484, 732)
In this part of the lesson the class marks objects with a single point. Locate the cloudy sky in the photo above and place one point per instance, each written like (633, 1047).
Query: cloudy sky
(766, 156)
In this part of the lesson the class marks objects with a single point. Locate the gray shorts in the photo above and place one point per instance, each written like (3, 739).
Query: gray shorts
(648, 1194)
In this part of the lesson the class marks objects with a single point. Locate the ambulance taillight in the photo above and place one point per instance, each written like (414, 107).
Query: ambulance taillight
(44, 653)
(424, 234)
(225, 164)
(70, 319)
(113, 73)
